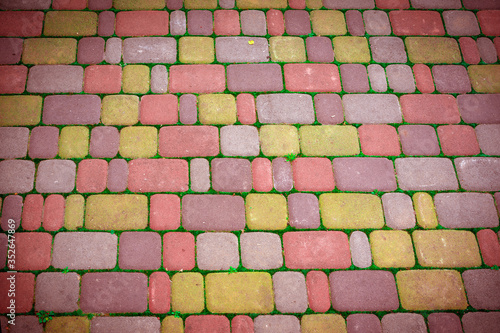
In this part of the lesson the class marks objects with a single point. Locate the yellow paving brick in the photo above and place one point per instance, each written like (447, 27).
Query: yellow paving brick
(200, 4)
(446, 248)
(328, 22)
(249, 292)
(351, 211)
(135, 79)
(485, 78)
(74, 142)
(70, 23)
(287, 49)
(392, 248)
(188, 294)
(266, 211)
(20, 110)
(217, 109)
(172, 324)
(260, 4)
(427, 290)
(316, 323)
(138, 5)
(68, 325)
(351, 49)
(196, 50)
(74, 211)
(120, 110)
(49, 51)
(425, 210)
(432, 50)
(138, 141)
(116, 212)
(279, 140)
(329, 140)
(314, 4)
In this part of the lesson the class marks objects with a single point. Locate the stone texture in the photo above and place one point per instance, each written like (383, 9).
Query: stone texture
(14, 142)
(116, 212)
(213, 212)
(241, 49)
(479, 108)
(487, 136)
(57, 292)
(199, 175)
(392, 248)
(239, 140)
(140, 251)
(266, 211)
(372, 108)
(425, 174)
(400, 78)
(478, 173)
(254, 77)
(482, 288)
(329, 140)
(56, 176)
(398, 211)
(419, 140)
(231, 175)
(285, 108)
(49, 51)
(404, 322)
(16, 176)
(303, 211)
(55, 79)
(290, 293)
(282, 175)
(71, 110)
(466, 210)
(261, 250)
(388, 49)
(364, 174)
(122, 324)
(360, 249)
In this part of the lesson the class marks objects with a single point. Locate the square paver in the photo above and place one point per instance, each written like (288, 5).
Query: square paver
(419, 140)
(140, 251)
(57, 292)
(261, 250)
(217, 251)
(56, 176)
(388, 49)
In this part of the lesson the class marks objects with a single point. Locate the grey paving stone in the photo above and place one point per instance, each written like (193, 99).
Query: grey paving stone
(282, 174)
(479, 108)
(364, 174)
(378, 81)
(199, 174)
(239, 140)
(285, 109)
(488, 136)
(199, 22)
(84, 250)
(388, 49)
(16, 176)
(117, 175)
(403, 322)
(238, 49)
(444, 322)
(290, 292)
(217, 251)
(478, 173)
(113, 52)
(56, 176)
(125, 324)
(372, 108)
(460, 23)
(303, 211)
(253, 22)
(329, 109)
(11, 209)
(55, 79)
(297, 22)
(106, 26)
(487, 50)
(451, 79)
(10, 50)
(159, 79)
(71, 110)
(231, 175)
(276, 323)
(319, 49)
(466, 210)
(398, 211)
(188, 112)
(483, 288)
(58, 292)
(363, 322)
(14, 142)
(430, 4)
(254, 77)
(104, 142)
(149, 50)
(140, 251)
(25, 5)
(354, 21)
(361, 254)
(90, 50)
(376, 22)
(261, 250)
(177, 22)
(425, 174)
(400, 78)
(419, 140)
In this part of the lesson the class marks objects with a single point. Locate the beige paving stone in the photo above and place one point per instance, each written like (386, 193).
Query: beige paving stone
(266, 211)
(74, 142)
(328, 22)
(322, 323)
(188, 292)
(279, 140)
(287, 49)
(116, 212)
(485, 78)
(329, 140)
(217, 109)
(196, 50)
(120, 110)
(20, 110)
(138, 141)
(171, 324)
(425, 210)
(351, 49)
(49, 51)
(74, 212)
(70, 23)
(135, 79)
(392, 248)
(433, 50)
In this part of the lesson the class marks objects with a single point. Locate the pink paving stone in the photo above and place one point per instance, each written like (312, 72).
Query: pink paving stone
(13, 79)
(400, 78)
(460, 23)
(165, 212)
(354, 78)
(277, 323)
(282, 175)
(419, 140)
(21, 24)
(10, 50)
(201, 79)
(217, 251)
(188, 110)
(71, 110)
(253, 22)
(226, 22)
(425, 174)
(285, 108)
(371, 108)
(159, 79)
(262, 175)
(227, 4)
(490, 247)
(124, 324)
(378, 81)
(159, 292)
(140, 251)
(25, 324)
(106, 26)
(487, 50)
(318, 291)
(14, 142)
(213, 212)
(313, 174)
(422, 109)
(33, 250)
(204, 323)
(16, 176)
(90, 50)
(451, 79)
(496, 41)
(416, 22)
(25, 291)
(478, 173)
(377, 22)
(91, 176)
(297, 4)
(231, 175)
(53, 213)
(488, 136)
(398, 211)
(149, 50)
(319, 49)
(489, 20)
(393, 4)
(497, 199)
(480, 322)
(11, 210)
(3, 252)
(404, 322)
(56, 176)
(430, 4)
(483, 288)
(199, 22)
(486, 4)
(261, 250)
(245, 106)
(367, 290)
(55, 79)
(100, 4)
(25, 5)
(188, 141)
(470, 51)
(254, 77)
(349, 4)
(104, 142)
(363, 322)
(177, 22)
(32, 212)
(379, 139)
(69, 4)
(423, 78)
(328, 109)
(443, 322)
(159, 109)
(111, 292)
(354, 21)
(360, 249)
(364, 174)
(141, 23)
(58, 292)
(199, 175)
(388, 49)
(480, 109)
(242, 324)
(303, 211)
(290, 292)
(102, 79)
(174, 4)
(458, 140)
(178, 251)
(275, 22)
(297, 22)
(316, 250)
(158, 175)
(239, 49)
(44, 142)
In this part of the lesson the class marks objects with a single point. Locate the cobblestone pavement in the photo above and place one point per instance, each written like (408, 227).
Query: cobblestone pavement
(250, 166)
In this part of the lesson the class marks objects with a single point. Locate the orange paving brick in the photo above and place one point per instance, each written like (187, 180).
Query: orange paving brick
(68, 324)
(142, 23)
(21, 23)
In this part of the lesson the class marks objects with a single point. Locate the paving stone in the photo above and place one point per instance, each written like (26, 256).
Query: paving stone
(421, 109)
(478, 173)
(188, 294)
(470, 51)
(114, 292)
(479, 74)
(113, 52)
(261, 250)
(177, 22)
(488, 4)
(254, 77)
(328, 22)
(55, 79)
(74, 212)
(100, 4)
(217, 251)
(16, 176)
(11, 50)
(451, 79)
(201, 79)
(297, 22)
(15, 79)
(403, 322)
(253, 22)
(178, 251)
(83, 23)
(363, 322)
(425, 23)
(345, 4)
(188, 141)
(241, 49)
(218, 323)
(488, 19)
(487, 136)
(481, 322)
(360, 249)
(314, 4)
(158, 175)
(249, 4)
(56, 176)
(398, 210)
(227, 4)
(363, 291)
(239, 140)
(159, 109)
(159, 292)
(364, 174)
(425, 174)
(71, 110)
(135, 79)
(354, 21)
(318, 292)
(275, 22)
(140, 251)
(487, 50)
(378, 81)
(460, 23)
(159, 82)
(231, 175)
(120, 110)
(351, 211)
(53, 212)
(478, 108)
(376, 22)
(57, 292)
(273, 323)
(164, 212)
(329, 140)
(11, 210)
(129, 4)
(31, 26)
(242, 324)
(266, 211)
(74, 142)
(171, 323)
(444, 322)
(392, 248)
(141, 23)
(199, 175)
(90, 50)
(287, 49)
(117, 175)
(379, 140)
(424, 210)
(354, 78)
(313, 174)
(351, 49)
(290, 292)
(482, 288)
(213, 212)
(25, 287)
(262, 177)
(188, 109)
(279, 140)
(303, 211)
(282, 175)
(104, 142)
(423, 78)
(319, 49)
(197, 50)
(116, 212)
(67, 324)
(422, 50)
(33, 251)
(419, 140)
(123, 324)
(329, 109)
(138, 141)
(106, 23)
(226, 22)
(428, 4)
(217, 109)
(400, 78)
(32, 212)
(14, 142)
(428, 290)
(388, 49)
(458, 140)
(199, 22)
(248, 292)
(102, 79)
(371, 108)
(285, 108)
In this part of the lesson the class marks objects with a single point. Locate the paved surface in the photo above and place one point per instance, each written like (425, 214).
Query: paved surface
(258, 165)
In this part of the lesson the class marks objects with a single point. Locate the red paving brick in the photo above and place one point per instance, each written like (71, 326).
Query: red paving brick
(102, 79)
(178, 251)
(158, 175)
(200, 79)
(226, 22)
(33, 250)
(142, 23)
(44, 142)
(30, 26)
(24, 292)
(32, 212)
(423, 78)
(53, 212)
(159, 110)
(159, 292)
(207, 323)
(364, 174)
(10, 50)
(458, 140)
(416, 22)
(489, 20)
(12, 210)
(312, 77)
(186, 141)
(318, 291)
(354, 21)
(328, 109)
(469, 49)
(92, 176)
(313, 174)
(420, 109)
(15, 79)
(242, 324)
(254, 77)
(262, 177)
(165, 212)
(245, 106)
(379, 139)
(275, 22)
(489, 246)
